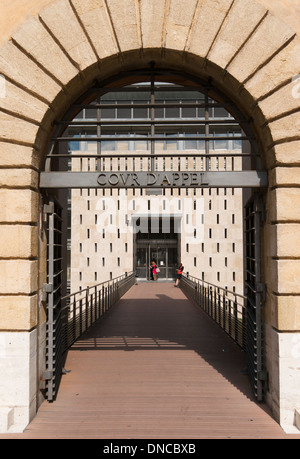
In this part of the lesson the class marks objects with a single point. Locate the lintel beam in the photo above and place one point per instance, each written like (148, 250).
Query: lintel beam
(155, 179)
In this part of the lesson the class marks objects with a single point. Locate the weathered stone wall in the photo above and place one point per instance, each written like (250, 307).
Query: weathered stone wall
(52, 50)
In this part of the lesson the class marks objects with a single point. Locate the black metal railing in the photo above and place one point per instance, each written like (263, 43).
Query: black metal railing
(82, 309)
(226, 308)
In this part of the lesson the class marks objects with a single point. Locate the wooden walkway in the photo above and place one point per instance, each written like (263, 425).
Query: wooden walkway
(155, 367)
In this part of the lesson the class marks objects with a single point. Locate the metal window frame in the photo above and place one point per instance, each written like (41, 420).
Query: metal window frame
(212, 97)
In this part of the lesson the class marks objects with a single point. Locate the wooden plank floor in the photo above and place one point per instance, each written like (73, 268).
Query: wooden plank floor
(155, 367)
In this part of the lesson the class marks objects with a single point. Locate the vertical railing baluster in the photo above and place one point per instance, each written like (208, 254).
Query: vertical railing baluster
(93, 303)
(226, 308)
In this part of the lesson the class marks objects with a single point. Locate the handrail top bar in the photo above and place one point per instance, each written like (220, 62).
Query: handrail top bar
(189, 277)
(119, 278)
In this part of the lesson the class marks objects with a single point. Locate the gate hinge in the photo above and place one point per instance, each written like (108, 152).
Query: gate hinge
(261, 209)
(47, 288)
(261, 288)
(49, 208)
(262, 375)
(46, 376)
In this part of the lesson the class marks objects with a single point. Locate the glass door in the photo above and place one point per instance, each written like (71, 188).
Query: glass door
(142, 263)
(165, 258)
(152, 257)
(162, 262)
(172, 262)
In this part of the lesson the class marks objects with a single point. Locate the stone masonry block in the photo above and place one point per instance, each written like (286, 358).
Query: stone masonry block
(64, 25)
(19, 178)
(21, 69)
(18, 312)
(178, 23)
(18, 241)
(33, 37)
(283, 205)
(281, 101)
(288, 176)
(269, 37)
(288, 277)
(282, 240)
(95, 18)
(12, 155)
(287, 153)
(286, 128)
(22, 103)
(124, 17)
(240, 23)
(16, 363)
(208, 20)
(152, 23)
(287, 312)
(16, 129)
(284, 66)
(18, 206)
(18, 277)
(288, 240)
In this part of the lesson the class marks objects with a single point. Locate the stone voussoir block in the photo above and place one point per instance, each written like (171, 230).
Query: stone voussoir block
(237, 27)
(38, 43)
(95, 17)
(178, 22)
(152, 20)
(125, 21)
(19, 68)
(267, 39)
(283, 67)
(286, 128)
(21, 103)
(280, 102)
(63, 24)
(207, 22)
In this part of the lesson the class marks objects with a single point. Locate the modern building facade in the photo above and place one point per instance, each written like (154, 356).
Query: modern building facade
(51, 53)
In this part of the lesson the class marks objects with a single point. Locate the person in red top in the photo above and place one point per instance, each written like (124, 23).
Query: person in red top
(153, 269)
(179, 274)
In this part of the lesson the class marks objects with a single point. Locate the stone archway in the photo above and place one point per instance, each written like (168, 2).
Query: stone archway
(52, 58)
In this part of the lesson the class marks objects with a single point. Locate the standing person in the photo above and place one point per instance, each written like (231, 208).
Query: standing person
(179, 274)
(154, 272)
(151, 271)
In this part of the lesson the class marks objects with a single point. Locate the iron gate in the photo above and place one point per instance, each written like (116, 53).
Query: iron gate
(69, 316)
(53, 289)
(255, 291)
(240, 316)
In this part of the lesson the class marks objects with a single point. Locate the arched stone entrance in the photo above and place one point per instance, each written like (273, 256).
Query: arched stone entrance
(55, 56)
